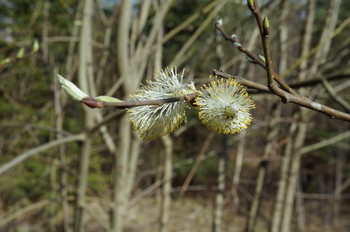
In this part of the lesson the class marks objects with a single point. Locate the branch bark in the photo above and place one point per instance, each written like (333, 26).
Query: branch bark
(24, 156)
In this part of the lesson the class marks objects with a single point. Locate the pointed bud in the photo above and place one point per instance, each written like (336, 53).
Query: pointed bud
(251, 4)
(71, 89)
(266, 26)
(35, 46)
(218, 22)
(5, 61)
(20, 53)
(262, 58)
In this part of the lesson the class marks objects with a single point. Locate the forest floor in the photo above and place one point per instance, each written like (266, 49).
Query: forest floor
(189, 214)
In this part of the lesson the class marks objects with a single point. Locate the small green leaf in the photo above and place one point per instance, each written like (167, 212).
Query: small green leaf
(71, 89)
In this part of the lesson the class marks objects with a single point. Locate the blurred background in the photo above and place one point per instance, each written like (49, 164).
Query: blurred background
(66, 167)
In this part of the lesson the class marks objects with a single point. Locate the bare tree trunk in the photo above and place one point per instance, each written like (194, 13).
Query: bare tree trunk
(168, 145)
(120, 175)
(45, 32)
(340, 160)
(62, 155)
(282, 66)
(293, 178)
(121, 157)
(53, 169)
(300, 207)
(129, 50)
(196, 164)
(306, 42)
(271, 138)
(85, 81)
(328, 28)
(53, 195)
(75, 34)
(282, 183)
(320, 57)
(59, 102)
(238, 168)
(168, 149)
(219, 199)
(180, 55)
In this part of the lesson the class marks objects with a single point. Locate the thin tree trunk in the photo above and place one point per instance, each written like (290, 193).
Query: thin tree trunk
(62, 156)
(120, 175)
(137, 53)
(168, 167)
(200, 158)
(53, 168)
(85, 81)
(179, 57)
(271, 138)
(53, 195)
(282, 66)
(82, 184)
(300, 206)
(45, 32)
(219, 199)
(282, 183)
(75, 34)
(320, 58)
(121, 157)
(168, 148)
(340, 160)
(238, 168)
(293, 178)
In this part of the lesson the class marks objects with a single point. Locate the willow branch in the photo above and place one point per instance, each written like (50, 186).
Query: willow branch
(94, 103)
(265, 36)
(22, 157)
(325, 143)
(252, 58)
(319, 80)
(289, 98)
(334, 95)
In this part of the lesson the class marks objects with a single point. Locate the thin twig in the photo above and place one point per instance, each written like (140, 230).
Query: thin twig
(20, 158)
(325, 143)
(287, 97)
(252, 57)
(334, 95)
(94, 103)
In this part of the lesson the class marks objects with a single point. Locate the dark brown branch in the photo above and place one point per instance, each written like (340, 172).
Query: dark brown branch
(252, 57)
(318, 80)
(266, 45)
(312, 82)
(93, 103)
(242, 81)
(289, 98)
(335, 97)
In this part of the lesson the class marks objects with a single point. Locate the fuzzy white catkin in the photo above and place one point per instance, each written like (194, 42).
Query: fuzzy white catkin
(152, 122)
(224, 106)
